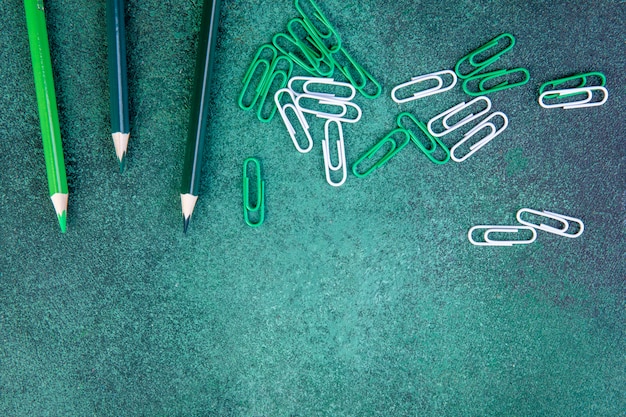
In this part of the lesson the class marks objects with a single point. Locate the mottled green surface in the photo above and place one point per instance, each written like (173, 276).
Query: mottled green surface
(366, 300)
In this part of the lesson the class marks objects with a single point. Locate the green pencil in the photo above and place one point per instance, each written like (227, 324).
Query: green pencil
(199, 109)
(118, 82)
(46, 102)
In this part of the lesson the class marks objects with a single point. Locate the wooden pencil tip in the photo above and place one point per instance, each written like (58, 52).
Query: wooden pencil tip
(59, 201)
(120, 140)
(188, 203)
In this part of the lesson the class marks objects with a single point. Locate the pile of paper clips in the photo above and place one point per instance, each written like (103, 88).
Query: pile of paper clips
(312, 43)
(567, 227)
(305, 98)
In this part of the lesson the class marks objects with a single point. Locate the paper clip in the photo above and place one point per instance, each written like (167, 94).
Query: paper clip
(322, 100)
(489, 76)
(274, 73)
(341, 154)
(308, 81)
(424, 93)
(582, 78)
(309, 42)
(310, 65)
(484, 124)
(433, 141)
(446, 115)
(258, 208)
(363, 76)
(569, 92)
(322, 34)
(257, 62)
(394, 148)
(563, 220)
(299, 115)
(500, 229)
(479, 66)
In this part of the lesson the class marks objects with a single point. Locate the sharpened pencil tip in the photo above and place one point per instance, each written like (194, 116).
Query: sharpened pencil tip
(63, 221)
(186, 224)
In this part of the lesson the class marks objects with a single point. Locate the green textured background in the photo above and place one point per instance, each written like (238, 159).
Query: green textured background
(366, 300)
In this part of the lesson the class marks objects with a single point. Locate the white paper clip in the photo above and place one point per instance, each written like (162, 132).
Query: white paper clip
(299, 115)
(563, 220)
(428, 92)
(322, 100)
(328, 81)
(446, 115)
(341, 154)
(585, 102)
(500, 229)
(484, 124)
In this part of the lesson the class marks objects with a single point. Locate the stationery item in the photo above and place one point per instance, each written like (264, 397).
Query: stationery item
(46, 101)
(253, 213)
(487, 240)
(564, 221)
(341, 154)
(118, 81)
(199, 109)
(393, 148)
(439, 88)
(480, 58)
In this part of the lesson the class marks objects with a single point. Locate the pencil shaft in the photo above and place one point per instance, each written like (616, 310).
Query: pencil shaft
(200, 97)
(46, 99)
(118, 82)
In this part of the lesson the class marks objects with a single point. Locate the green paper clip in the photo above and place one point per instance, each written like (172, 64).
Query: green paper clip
(583, 83)
(489, 76)
(432, 149)
(326, 31)
(258, 207)
(394, 149)
(479, 66)
(307, 58)
(310, 42)
(269, 82)
(257, 61)
(363, 76)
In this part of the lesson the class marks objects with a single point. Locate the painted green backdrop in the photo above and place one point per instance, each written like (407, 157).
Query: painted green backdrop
(366, 300)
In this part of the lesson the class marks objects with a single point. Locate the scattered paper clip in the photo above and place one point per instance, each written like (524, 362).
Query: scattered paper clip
(434, 144)
(437, 76)
(484, 124)
(587, 101)
(487, 77)
(341, 154)
(394, 148)
(489, 229)
(308, 81)
(477, 66)
(446, 115)
(327, 31)
(257, 209)
(274, 73)
(565, 221)
(583, 81)
(322, 100)
(299, 115)
(257, 62)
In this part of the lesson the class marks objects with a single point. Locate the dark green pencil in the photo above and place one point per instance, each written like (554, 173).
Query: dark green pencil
(199, 108)
(118, 82)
